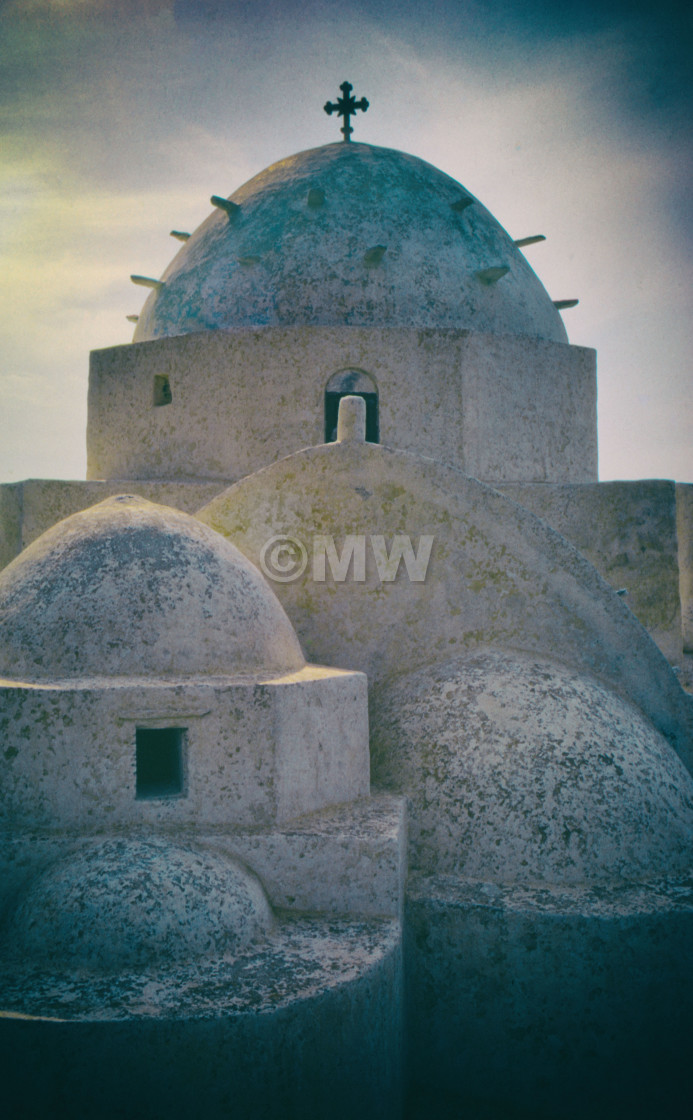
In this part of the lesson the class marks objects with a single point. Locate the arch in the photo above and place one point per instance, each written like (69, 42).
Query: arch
(351, 383)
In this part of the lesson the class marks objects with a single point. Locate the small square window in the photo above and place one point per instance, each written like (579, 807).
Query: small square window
(162, 390)
(159, 761)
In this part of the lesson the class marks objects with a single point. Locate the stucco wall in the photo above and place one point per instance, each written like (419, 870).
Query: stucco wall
(684, 526)
(628, 531)
(498, 576)
(495, 406)
(28, 508)
(254, 752)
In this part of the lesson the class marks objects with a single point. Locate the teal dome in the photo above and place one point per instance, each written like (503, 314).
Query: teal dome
(350, 235)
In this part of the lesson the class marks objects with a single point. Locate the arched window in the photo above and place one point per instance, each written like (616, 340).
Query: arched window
(351, 383)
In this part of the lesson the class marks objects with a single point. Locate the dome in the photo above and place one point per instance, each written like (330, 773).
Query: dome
(131, 589)
(355, 235)
(124, 903)
(521, 771)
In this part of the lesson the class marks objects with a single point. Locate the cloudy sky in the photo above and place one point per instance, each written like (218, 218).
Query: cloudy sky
(119, 119)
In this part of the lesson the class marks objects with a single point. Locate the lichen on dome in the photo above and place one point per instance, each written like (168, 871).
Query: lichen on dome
(131, 903)
(518, 770)
(351, 234)
(128, 588)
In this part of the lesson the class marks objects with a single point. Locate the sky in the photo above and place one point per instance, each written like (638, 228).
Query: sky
(119, 119)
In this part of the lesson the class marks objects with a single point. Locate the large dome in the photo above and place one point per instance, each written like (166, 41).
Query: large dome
(356, 235)
(130, 588)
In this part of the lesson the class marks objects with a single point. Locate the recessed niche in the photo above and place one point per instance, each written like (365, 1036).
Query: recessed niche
(159, 762)
(162, 390)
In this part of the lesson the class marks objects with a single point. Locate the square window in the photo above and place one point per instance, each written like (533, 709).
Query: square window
(162, 390)
(159, 761)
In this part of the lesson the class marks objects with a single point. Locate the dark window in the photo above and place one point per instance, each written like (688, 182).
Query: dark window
(351, 383)
(159, 761)
(162, 390)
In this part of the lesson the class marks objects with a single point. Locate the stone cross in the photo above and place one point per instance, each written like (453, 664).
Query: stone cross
(346, 107)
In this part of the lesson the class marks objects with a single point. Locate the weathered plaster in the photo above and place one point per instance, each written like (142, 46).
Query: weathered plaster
(684, 526)
(519, 770)
(128, 588)
(346, 859)
(549, 1002)
(256, 750)
(498, 407)
(628, 531)
(498, 576)
(278, 260)
(104, 1045)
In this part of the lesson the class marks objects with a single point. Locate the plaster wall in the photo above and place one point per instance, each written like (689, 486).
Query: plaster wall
(628, 530)
(498, 577)
(497, 407)
(254, 751)
(10, 521)
(28, 508)
(550, 1002)
(684, 523)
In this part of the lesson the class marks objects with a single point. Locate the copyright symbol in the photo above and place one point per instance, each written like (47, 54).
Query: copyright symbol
(283, 559)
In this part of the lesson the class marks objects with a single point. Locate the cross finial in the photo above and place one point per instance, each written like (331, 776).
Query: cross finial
(346, 107)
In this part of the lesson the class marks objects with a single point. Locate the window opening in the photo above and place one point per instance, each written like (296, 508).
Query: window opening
(159, 761)
(351, 383)
(162, 390)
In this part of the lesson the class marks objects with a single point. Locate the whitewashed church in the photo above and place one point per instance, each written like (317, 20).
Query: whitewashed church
(345, 763)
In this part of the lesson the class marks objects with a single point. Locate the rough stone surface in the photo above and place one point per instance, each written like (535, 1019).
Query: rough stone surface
(497, 576)
(518, 770)
(117, 904)
(496, 406)
(278, 260)
(628, 531)
(130, 588)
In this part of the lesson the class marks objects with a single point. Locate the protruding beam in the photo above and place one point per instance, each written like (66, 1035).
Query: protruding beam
(461, 203)
(179, 235)
(522, 241)
(562, 304)
(230, 208)
(315, 199)
(492, 275)
(132, 318)
(147, 282)
(374, 255)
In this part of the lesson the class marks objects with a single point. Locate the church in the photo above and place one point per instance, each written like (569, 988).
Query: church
(346, 755)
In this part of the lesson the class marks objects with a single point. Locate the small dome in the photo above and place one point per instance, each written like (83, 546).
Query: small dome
(356, 235)
(520, 771)
(120, 904)
(128, 588)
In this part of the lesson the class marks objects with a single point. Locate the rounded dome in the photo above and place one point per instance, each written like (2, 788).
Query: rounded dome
(356, 235)
(132, 903)
(131, 589)
(521, 771)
